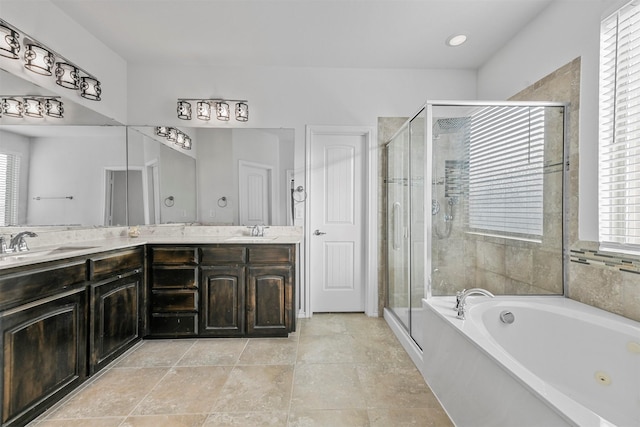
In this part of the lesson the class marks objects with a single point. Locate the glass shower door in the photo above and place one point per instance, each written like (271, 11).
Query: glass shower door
(417, 149)
(398, 293)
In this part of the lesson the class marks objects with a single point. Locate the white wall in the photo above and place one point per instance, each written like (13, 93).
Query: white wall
(45, 22)
(566, 30)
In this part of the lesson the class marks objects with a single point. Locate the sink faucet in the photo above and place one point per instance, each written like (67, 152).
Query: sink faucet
(461, 301)
(18, 243)
(257, 230)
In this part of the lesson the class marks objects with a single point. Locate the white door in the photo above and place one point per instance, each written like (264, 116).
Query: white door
(336, 195)
(254, 184)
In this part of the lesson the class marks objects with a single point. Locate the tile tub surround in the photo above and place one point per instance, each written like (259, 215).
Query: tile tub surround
(336, 370)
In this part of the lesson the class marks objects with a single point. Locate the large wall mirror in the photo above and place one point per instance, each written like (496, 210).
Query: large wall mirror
(231, 176)
(68, 171)
(87, 170)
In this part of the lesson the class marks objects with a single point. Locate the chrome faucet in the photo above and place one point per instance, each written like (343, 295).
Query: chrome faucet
(257, 230)
(18, 243)
(461, 300)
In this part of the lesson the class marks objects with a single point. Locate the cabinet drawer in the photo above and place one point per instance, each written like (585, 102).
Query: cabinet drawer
(174, 255)
(174, 277)
(24, 286)
(110, 264)
(174, 300)
(170, 324)
(270, 254)
(224, 255)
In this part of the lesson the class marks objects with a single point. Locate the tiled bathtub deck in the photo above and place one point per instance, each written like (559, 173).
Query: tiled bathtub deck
(336, 370)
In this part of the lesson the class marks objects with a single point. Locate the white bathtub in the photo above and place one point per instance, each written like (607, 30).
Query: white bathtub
(559, 363)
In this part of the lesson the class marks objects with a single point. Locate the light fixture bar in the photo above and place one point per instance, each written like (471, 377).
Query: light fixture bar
(31, 44)
(175, 136)
(35, 106)
(206, 107)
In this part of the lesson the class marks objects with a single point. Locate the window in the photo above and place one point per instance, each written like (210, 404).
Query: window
(9, 174)
(506, 159)
(619, 130)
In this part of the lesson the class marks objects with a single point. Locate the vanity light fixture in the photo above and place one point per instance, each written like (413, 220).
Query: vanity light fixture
(33, 107)
(222, 111)
(36, 106)
(204, 110)
(90, 88)
(184, 110)
(38, 59)
(176, 136)
(42, 60)
(53, 108)
(11, 107)
(221, 108)
(9, 45)
(67, 75)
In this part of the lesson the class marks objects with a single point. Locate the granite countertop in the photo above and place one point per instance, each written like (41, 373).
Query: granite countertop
(69, 248)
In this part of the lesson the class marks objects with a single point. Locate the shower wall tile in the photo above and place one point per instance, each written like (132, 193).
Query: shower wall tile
(519, 264)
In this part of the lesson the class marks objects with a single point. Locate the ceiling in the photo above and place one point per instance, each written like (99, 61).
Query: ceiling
(304, 33)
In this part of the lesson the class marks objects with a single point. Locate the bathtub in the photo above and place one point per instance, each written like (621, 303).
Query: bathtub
(559, 363)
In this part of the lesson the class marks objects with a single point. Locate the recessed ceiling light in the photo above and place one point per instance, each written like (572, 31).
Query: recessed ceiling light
(456, 40)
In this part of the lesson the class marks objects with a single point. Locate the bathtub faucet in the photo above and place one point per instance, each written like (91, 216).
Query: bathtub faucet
(462, 300)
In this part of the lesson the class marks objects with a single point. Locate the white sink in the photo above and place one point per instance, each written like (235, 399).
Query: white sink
(251, 238)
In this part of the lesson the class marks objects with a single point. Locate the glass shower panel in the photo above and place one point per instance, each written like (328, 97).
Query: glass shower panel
(398, 226)
(417, 148)
(497, 199)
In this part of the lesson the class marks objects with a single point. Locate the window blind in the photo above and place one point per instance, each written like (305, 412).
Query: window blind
(619, 129)
(9, 177)
(506, 156)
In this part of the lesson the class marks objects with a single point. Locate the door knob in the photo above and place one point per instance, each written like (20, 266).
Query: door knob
(318, 233)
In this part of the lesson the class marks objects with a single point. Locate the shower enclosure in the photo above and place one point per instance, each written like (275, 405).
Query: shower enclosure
(493, 214)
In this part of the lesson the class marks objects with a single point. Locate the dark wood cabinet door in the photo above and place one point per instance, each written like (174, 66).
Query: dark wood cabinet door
(114, 320)
(269, 300)
(222, 302)
(44, 354)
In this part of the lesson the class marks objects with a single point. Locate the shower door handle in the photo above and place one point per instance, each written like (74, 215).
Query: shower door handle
(318, 233)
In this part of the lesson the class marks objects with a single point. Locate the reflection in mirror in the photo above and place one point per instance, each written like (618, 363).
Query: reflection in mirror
(60, 171)
(162, 180)
(62, 175)
(230, 177)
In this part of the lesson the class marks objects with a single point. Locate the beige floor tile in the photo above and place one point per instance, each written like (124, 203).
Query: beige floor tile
(185, 390)
(409, 417)
(156, 353)
(215, 351)
(329, 417)
(323, 324)
(256, 388)
(393, 386)
(340, 348)
(245, 419)
(270, 351)
(327, 386)
(115, 393)
(381, 349)
(82, 422)
(183, 420)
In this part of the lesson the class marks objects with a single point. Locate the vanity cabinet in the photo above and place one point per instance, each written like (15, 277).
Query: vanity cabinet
(223, 290)
(115, 321)
(173, 291)
(43, 337)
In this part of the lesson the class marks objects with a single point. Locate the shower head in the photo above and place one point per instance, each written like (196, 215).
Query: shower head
(449, 125)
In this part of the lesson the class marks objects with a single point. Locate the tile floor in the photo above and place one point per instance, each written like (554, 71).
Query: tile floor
(336, 370)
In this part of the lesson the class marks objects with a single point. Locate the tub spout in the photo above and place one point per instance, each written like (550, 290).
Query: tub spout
(462, 301)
